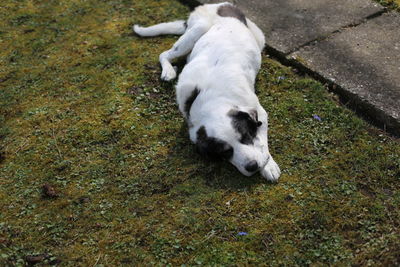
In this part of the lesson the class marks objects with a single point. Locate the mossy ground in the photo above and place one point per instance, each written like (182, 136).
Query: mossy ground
(390, 4)
(83, 110)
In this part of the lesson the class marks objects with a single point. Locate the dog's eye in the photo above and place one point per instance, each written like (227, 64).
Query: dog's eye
(246, 124)
(227, 153)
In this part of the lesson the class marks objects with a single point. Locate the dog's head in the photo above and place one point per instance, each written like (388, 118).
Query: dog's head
(237, 134)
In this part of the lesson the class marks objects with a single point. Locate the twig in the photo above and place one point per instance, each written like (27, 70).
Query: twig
(98, 258)
(56, 143)
(20, 147)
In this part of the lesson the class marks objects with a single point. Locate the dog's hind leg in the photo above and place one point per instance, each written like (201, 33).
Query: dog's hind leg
(176, 27)
(181, 48)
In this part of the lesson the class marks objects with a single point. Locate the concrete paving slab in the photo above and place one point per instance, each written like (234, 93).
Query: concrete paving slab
(364, 61)
(289, 24)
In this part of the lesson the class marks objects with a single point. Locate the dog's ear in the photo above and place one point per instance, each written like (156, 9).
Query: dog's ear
(251, 116)
(245, 124)
(254, 116)
(211, 147)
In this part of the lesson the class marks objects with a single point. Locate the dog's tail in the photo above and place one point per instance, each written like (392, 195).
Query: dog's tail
(175, 27)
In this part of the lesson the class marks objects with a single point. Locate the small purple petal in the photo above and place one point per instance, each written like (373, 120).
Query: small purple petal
(242, 233)
(318, 118)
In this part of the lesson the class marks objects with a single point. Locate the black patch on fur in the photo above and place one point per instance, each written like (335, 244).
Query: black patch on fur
(211, 147)
(189, 101)
(245, 124)
(232, 11)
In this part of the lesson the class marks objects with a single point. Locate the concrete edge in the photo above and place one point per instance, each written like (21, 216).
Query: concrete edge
(361, 107)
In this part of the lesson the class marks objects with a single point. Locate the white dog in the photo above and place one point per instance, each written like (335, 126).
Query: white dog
(215, 91)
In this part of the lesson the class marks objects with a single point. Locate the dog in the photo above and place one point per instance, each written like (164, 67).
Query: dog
(215, 90)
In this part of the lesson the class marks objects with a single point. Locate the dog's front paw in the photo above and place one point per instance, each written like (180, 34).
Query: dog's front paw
(271, 171)
(168, 73)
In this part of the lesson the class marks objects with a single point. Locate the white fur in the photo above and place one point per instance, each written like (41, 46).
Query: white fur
(175, 27)
(224, 56)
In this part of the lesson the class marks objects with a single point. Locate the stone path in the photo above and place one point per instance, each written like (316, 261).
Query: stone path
(352, 45)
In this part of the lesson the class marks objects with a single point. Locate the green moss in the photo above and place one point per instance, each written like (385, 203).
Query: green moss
(82, 108)
(390, 4)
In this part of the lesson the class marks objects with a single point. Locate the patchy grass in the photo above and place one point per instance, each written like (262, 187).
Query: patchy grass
(390, 4)
(84, 115)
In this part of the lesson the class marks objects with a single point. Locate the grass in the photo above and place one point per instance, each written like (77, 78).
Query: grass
(390, 4)
(83, 111)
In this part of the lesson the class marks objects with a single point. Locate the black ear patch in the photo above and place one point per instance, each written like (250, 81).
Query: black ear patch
(246, 124)
(189, 101)
(211, 147)
(232, 11)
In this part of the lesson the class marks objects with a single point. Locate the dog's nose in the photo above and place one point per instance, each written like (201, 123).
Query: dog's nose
(252, 166)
